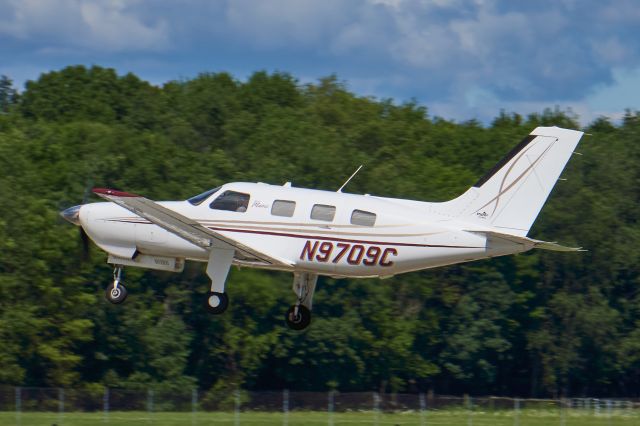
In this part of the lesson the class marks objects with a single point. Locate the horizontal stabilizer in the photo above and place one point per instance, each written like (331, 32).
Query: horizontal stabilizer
(527, 242)
(546, 245)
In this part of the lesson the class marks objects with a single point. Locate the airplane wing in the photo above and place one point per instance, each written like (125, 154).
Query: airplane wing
(539, 244)
(183, 226)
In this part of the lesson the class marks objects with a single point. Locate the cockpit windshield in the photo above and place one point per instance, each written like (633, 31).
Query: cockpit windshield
(198, 199)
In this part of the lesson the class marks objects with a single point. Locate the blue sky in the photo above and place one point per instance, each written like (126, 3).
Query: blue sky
(462, 59)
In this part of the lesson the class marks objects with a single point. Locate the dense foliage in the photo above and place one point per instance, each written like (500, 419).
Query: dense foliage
(536, 324)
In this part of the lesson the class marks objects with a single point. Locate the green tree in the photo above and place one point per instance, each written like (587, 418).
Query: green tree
(535, 324)
(8, 95)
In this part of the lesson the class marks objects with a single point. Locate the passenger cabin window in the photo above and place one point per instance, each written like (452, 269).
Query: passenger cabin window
(283, 208)
(323, 212)
(360, 217)
(231, 201)
(198, 199)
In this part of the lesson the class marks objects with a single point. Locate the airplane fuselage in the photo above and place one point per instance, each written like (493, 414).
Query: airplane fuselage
(322, 232)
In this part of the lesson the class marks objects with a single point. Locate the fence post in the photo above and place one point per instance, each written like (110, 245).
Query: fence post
(285, 407)
(60, 405)
(18, 405)
(330, 407)
(376, 408)
(236, 415)
(469, 404)
(562, 412)
(150, 403)
(609, 411)
(423, 409)
(194, 405)
(105, 405)
(516, 409)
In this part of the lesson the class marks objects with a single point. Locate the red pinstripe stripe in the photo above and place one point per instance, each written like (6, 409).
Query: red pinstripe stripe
(322, 238)
(314, 237)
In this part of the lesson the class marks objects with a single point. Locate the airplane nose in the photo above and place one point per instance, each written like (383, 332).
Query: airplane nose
(72, 214)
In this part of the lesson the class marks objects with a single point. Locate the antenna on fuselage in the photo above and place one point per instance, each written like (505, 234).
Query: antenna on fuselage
(350, 177)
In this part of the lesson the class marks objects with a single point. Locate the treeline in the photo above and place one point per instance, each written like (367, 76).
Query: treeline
(536, 324)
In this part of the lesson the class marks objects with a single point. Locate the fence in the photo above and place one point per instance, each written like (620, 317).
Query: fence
(59, 406)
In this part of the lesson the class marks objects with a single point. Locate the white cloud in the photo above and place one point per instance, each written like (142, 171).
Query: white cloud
(277, 23)
(609, 101)
(109, 24)
(611, 50)
(98, 25)
(467, 57)
(622, 94)
(27, 18)
(620, 12)
(470, 57)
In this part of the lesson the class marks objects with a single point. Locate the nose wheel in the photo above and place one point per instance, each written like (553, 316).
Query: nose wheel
(116, 292)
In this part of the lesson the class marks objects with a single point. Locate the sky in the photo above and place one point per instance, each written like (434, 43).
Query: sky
(462, 59)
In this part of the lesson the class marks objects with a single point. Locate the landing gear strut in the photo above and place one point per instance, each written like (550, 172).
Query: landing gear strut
(298, 316)
(116, 292)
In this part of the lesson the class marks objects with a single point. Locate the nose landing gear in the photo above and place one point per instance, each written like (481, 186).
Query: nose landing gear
(116, 292)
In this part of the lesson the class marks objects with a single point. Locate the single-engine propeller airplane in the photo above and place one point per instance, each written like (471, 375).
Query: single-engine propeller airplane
(312, 232)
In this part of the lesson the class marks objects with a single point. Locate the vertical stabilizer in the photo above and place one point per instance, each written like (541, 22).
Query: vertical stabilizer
(510, 196)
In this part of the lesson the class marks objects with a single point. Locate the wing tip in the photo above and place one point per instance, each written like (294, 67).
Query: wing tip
(112, 192)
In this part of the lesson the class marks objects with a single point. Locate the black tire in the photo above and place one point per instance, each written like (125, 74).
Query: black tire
(216, 303)
(300, 321)
(116, 295)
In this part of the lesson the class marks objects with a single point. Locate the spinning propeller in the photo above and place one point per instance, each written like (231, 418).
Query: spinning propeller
(72, 215)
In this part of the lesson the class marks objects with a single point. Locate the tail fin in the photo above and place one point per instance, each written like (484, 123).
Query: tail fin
(510, 196)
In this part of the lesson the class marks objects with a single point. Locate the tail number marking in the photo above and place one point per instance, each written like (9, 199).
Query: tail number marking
(354, 254)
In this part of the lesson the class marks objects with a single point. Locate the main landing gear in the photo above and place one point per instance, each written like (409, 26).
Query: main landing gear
(220, 260)
(298, 316)
(116, 292)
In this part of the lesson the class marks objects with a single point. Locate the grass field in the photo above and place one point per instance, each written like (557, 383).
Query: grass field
(313, 418)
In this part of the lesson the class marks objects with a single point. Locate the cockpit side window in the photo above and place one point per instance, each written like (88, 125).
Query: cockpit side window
(231, 201)
(198, 199)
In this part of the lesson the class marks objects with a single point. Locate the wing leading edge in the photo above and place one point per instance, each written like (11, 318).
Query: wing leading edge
(183, 226)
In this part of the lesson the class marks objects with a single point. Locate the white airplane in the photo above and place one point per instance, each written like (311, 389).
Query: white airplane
(311, 232)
